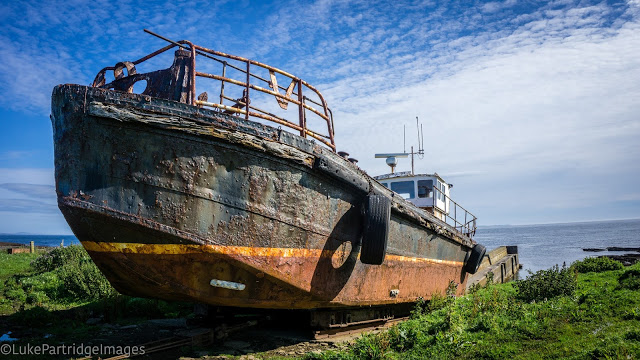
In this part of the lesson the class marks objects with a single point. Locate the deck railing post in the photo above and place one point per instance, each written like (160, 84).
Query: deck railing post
(224, 74)
(246, 100)
(303, 125)
(192, 100)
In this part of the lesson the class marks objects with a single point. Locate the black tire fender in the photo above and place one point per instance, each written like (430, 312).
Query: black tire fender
(474, 258)
(375, 234)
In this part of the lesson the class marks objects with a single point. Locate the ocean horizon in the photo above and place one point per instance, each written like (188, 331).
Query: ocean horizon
(542, 246)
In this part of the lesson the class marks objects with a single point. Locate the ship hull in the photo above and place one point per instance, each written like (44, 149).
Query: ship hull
(175, 202)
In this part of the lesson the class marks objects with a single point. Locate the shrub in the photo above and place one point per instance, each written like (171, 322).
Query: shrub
(16, 294)
(47, 283)
(370, 346)
(630, 280)
(599, 264)
(37, 297)
(58, 257)
(546, 284)
(84, 281)
(67, 273)
(437, 302)
(633, 335)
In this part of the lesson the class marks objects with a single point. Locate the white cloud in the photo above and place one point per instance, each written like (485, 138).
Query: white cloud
(27, 206)
(14, 155)
(28, 196)
(31, 190)
(506, 95)
(36, 176)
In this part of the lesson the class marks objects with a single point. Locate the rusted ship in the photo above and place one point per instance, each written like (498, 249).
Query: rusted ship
(180, 197)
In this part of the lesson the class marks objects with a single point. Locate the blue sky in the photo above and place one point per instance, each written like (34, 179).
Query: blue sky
(530, 108)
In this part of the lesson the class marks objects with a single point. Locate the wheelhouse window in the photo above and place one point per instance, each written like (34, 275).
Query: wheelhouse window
(424, 188)
(441, 191)
(385, 185)
(404, 188)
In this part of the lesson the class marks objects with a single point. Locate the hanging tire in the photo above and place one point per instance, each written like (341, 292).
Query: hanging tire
(377, 213)
(475, 259)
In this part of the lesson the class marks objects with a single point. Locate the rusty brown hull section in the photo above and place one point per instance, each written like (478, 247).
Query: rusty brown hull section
(167, 197)
(274, 277)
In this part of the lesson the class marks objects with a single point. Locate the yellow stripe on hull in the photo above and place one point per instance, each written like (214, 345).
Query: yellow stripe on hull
(180, 249)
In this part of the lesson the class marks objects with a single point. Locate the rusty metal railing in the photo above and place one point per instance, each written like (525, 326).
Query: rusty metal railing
(468, 227)
(296, 93)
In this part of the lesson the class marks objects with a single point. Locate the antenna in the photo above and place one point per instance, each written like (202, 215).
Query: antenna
(392, 158)
(420, 139)
(421, 145)
(418, 130)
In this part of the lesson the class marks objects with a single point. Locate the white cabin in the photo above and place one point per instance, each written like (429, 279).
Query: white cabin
(426, 191)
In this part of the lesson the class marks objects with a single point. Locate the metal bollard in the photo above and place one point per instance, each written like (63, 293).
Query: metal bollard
(32, 247)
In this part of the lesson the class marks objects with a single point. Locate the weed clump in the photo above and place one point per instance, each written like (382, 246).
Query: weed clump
(547, 284)
(59, 257)
(83, 280)
(63, 274)
(599, 264)
(630, 280)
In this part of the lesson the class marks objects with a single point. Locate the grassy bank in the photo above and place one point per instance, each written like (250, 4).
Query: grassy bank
(556, 313)
(61, 295)
(56, 279)
(590, 310)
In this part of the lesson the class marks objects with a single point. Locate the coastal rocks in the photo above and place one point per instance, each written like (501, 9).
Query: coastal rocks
(612, 248)
(626, 259)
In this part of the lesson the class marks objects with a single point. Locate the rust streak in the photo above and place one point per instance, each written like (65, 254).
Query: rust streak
(177, 249)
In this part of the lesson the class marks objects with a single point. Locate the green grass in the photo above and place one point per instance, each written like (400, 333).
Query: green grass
(54, 293)
(67, 278)
(598, 319)
(11, 264)
(556, 313)
(55, 279)
(598, 264)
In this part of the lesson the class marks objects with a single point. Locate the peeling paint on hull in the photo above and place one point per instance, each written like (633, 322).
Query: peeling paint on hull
(166, 197)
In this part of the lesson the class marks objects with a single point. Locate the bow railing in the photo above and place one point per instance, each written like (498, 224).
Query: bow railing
(246, 89)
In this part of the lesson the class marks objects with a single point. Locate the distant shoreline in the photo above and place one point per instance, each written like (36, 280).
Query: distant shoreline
(8, 245)
(559, 223)
(40, 241)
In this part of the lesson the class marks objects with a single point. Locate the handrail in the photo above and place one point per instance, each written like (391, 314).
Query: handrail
(293, 94)
(468, 227)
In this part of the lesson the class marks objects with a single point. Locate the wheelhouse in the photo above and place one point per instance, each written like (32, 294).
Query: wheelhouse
(426, 191)
(431, 193)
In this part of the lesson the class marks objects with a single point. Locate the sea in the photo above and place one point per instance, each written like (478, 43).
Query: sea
(539, 246)
(40, 240)
(543, 246)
